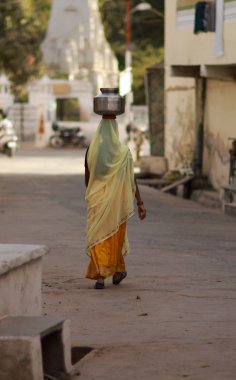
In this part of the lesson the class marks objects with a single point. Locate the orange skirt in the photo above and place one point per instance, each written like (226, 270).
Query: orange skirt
(106, 257)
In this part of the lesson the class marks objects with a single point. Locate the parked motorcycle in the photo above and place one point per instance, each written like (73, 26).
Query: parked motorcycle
(8, 137)
(67, 136)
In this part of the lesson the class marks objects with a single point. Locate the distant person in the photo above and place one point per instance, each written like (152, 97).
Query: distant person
(2, 114)
(128, 130)
(110, 193)
(55, 126)
(145, 147)
(6, 126)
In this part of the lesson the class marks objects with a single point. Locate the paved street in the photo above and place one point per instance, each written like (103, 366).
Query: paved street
(174, 317)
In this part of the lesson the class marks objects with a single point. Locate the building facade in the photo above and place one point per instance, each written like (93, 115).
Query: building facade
(200, 86)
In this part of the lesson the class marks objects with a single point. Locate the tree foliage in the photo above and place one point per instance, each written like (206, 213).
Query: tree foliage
(22, 29)
(23, 24)
(147, 38)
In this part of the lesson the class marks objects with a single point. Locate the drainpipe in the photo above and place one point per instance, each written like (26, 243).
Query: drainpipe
(201, 86)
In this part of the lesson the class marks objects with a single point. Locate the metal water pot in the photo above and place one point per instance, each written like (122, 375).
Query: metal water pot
(109, 102)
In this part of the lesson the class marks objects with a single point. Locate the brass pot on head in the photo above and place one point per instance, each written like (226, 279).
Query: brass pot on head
(109, 102)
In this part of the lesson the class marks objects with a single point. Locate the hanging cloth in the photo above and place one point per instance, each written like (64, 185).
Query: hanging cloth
(200, 24)
(111, 187)
(211, 16)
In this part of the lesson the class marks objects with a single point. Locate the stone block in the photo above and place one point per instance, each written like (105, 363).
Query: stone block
(32, 346)
(20, 279)
(20, 358)
(153, 165)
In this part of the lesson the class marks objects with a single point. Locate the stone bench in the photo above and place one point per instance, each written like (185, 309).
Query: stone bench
(21, 279)
(33, 346)
(152, 182)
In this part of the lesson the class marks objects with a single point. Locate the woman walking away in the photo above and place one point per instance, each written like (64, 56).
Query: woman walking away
(110, 193)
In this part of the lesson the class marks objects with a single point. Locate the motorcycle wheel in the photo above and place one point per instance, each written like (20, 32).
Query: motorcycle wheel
(56, 142)
(80, 143)
(10, 152)
(83, 143)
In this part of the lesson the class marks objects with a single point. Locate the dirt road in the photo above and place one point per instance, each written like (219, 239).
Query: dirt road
(174, 316)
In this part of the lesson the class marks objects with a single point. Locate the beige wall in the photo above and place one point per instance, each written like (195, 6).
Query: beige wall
(183, 47)
(220, 123)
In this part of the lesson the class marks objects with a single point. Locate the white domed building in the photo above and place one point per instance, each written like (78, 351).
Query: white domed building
(75, 44)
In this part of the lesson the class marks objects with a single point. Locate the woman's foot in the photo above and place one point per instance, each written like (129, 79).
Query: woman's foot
(118, 277)
(99, 284)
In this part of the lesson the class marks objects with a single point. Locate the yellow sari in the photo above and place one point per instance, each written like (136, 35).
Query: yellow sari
(109, 196)
(106, 256)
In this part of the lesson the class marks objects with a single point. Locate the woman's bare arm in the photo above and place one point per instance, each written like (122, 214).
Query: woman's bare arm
(141, 209)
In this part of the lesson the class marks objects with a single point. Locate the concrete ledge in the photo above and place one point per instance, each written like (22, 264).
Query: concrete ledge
(153, 165)
(153, 182)
(14, 255)
(32, 346)
(229, 208)
(20, 279)
(211, 199)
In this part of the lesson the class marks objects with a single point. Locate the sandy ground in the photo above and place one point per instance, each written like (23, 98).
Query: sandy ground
(174, 316)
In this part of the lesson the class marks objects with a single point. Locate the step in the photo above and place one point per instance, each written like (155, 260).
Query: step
(33, 346)
(230, 208)
(230, 188)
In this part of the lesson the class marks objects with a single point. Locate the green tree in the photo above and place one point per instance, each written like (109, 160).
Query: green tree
(147, 38)
(21, 34)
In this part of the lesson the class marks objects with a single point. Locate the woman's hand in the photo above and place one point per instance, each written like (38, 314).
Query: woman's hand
(141, 212)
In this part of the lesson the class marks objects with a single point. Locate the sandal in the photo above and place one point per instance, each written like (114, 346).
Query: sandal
(99, 285)
(118, 277)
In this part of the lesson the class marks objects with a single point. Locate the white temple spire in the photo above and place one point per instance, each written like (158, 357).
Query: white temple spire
(75, 43)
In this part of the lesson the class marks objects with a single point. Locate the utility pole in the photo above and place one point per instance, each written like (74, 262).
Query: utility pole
(128, 57)
(128, 24)
(201, 88)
